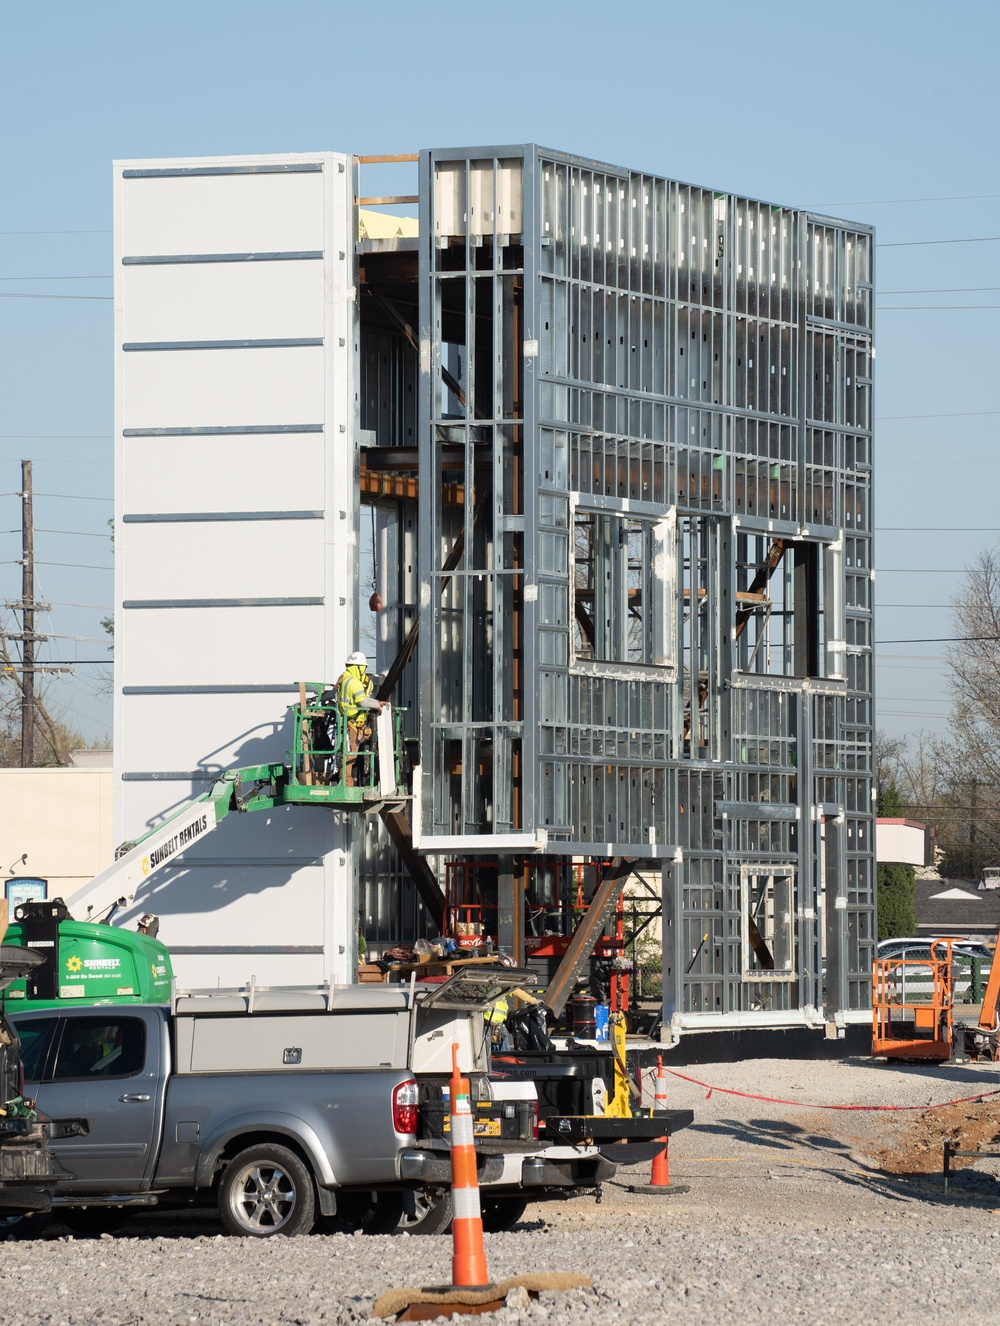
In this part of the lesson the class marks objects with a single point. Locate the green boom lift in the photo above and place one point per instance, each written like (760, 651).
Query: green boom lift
(96, 962)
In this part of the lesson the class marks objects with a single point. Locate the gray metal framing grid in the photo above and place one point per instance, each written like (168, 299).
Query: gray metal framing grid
(656, 352)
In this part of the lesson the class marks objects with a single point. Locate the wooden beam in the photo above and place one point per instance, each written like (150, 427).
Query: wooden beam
(392, 486)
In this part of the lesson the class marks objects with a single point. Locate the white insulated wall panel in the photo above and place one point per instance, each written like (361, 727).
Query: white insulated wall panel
(257, 472)
(259, 385)
(221, 646)
(235, 403)
(231, 212)
(223, 301)
(248, 558)
(283, 905)
(233, 733)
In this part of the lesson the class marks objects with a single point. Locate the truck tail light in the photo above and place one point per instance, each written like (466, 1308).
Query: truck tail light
(404, 1107)
(534, 1120)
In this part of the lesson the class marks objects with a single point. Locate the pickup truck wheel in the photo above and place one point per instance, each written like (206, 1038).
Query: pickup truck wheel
(90, 1222)
(267, 1190)
(425, 1213)
(369, 1212)
(500, 1213)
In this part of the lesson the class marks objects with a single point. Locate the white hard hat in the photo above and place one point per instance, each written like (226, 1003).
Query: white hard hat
(357, 659)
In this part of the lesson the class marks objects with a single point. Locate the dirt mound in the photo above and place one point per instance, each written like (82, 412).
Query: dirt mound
(918, 1147)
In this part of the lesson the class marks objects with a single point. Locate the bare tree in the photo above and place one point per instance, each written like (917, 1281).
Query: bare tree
(969, 764)
(890, 754)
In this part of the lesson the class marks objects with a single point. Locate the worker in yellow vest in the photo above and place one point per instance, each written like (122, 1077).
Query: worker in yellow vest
(496, 1022)
(356, 704)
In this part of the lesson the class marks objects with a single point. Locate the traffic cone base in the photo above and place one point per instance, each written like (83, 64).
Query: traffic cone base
(659, 1189)
(427, 1304)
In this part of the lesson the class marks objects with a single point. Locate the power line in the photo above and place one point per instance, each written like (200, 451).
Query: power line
(79, 533)
(922, 243)
(90, 639)
(937, 657)
(922, 699)
(82, 566)
(883, 308)
(943, 640)
(56, 232)
(938, 290)
(5, 295)
(109, 278)
(66, 437)
(963, 414)
(881, 202)
(909, 713)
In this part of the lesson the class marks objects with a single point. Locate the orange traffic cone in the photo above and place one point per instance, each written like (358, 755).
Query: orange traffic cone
(470, 1291)
(468, 1262)
(659, 1180)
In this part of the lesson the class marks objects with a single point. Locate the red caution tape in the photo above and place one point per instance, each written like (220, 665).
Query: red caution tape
(810, 1105)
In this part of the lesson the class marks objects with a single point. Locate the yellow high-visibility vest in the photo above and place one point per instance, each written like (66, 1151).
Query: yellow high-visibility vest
(355, 686)
(497, 1012)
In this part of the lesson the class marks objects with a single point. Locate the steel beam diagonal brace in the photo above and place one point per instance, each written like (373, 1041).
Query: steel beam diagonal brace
(760, 581)
(397, 823)
(586, 933)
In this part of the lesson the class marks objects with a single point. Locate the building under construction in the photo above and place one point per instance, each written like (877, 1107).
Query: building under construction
(599, 444)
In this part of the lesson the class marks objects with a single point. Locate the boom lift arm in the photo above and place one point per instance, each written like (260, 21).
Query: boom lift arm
(324, 771)
(258, 787)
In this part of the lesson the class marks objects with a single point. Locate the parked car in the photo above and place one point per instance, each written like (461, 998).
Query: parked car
(915, 978)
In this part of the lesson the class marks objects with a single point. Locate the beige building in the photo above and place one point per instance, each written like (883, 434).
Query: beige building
(56, 824)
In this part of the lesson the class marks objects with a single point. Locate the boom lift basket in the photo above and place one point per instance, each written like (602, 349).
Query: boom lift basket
(903, 1026)
(324, 768)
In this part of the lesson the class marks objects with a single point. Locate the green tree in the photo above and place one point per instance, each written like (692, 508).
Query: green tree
(896, 884)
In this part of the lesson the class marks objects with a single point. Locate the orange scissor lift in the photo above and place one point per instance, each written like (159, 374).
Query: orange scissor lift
(903, 1025)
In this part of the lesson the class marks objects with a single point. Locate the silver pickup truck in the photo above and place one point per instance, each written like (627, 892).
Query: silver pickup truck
(281, 1106)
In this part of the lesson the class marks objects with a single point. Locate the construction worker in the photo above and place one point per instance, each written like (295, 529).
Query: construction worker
(356, 703)
(496, 1022)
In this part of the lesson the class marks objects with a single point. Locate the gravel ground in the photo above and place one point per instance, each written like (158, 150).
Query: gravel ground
(790, 1214)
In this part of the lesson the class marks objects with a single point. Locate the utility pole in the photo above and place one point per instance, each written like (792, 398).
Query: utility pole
(27, 620)
(33, 712)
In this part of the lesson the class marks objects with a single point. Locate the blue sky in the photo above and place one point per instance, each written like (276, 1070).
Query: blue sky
(882, 112)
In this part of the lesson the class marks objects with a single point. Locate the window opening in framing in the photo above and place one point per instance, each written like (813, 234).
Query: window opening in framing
(621, 570)
(768, 923)
(788, 607)
(698, 595)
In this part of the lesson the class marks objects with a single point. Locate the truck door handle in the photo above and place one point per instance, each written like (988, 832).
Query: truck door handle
(130, 1098)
